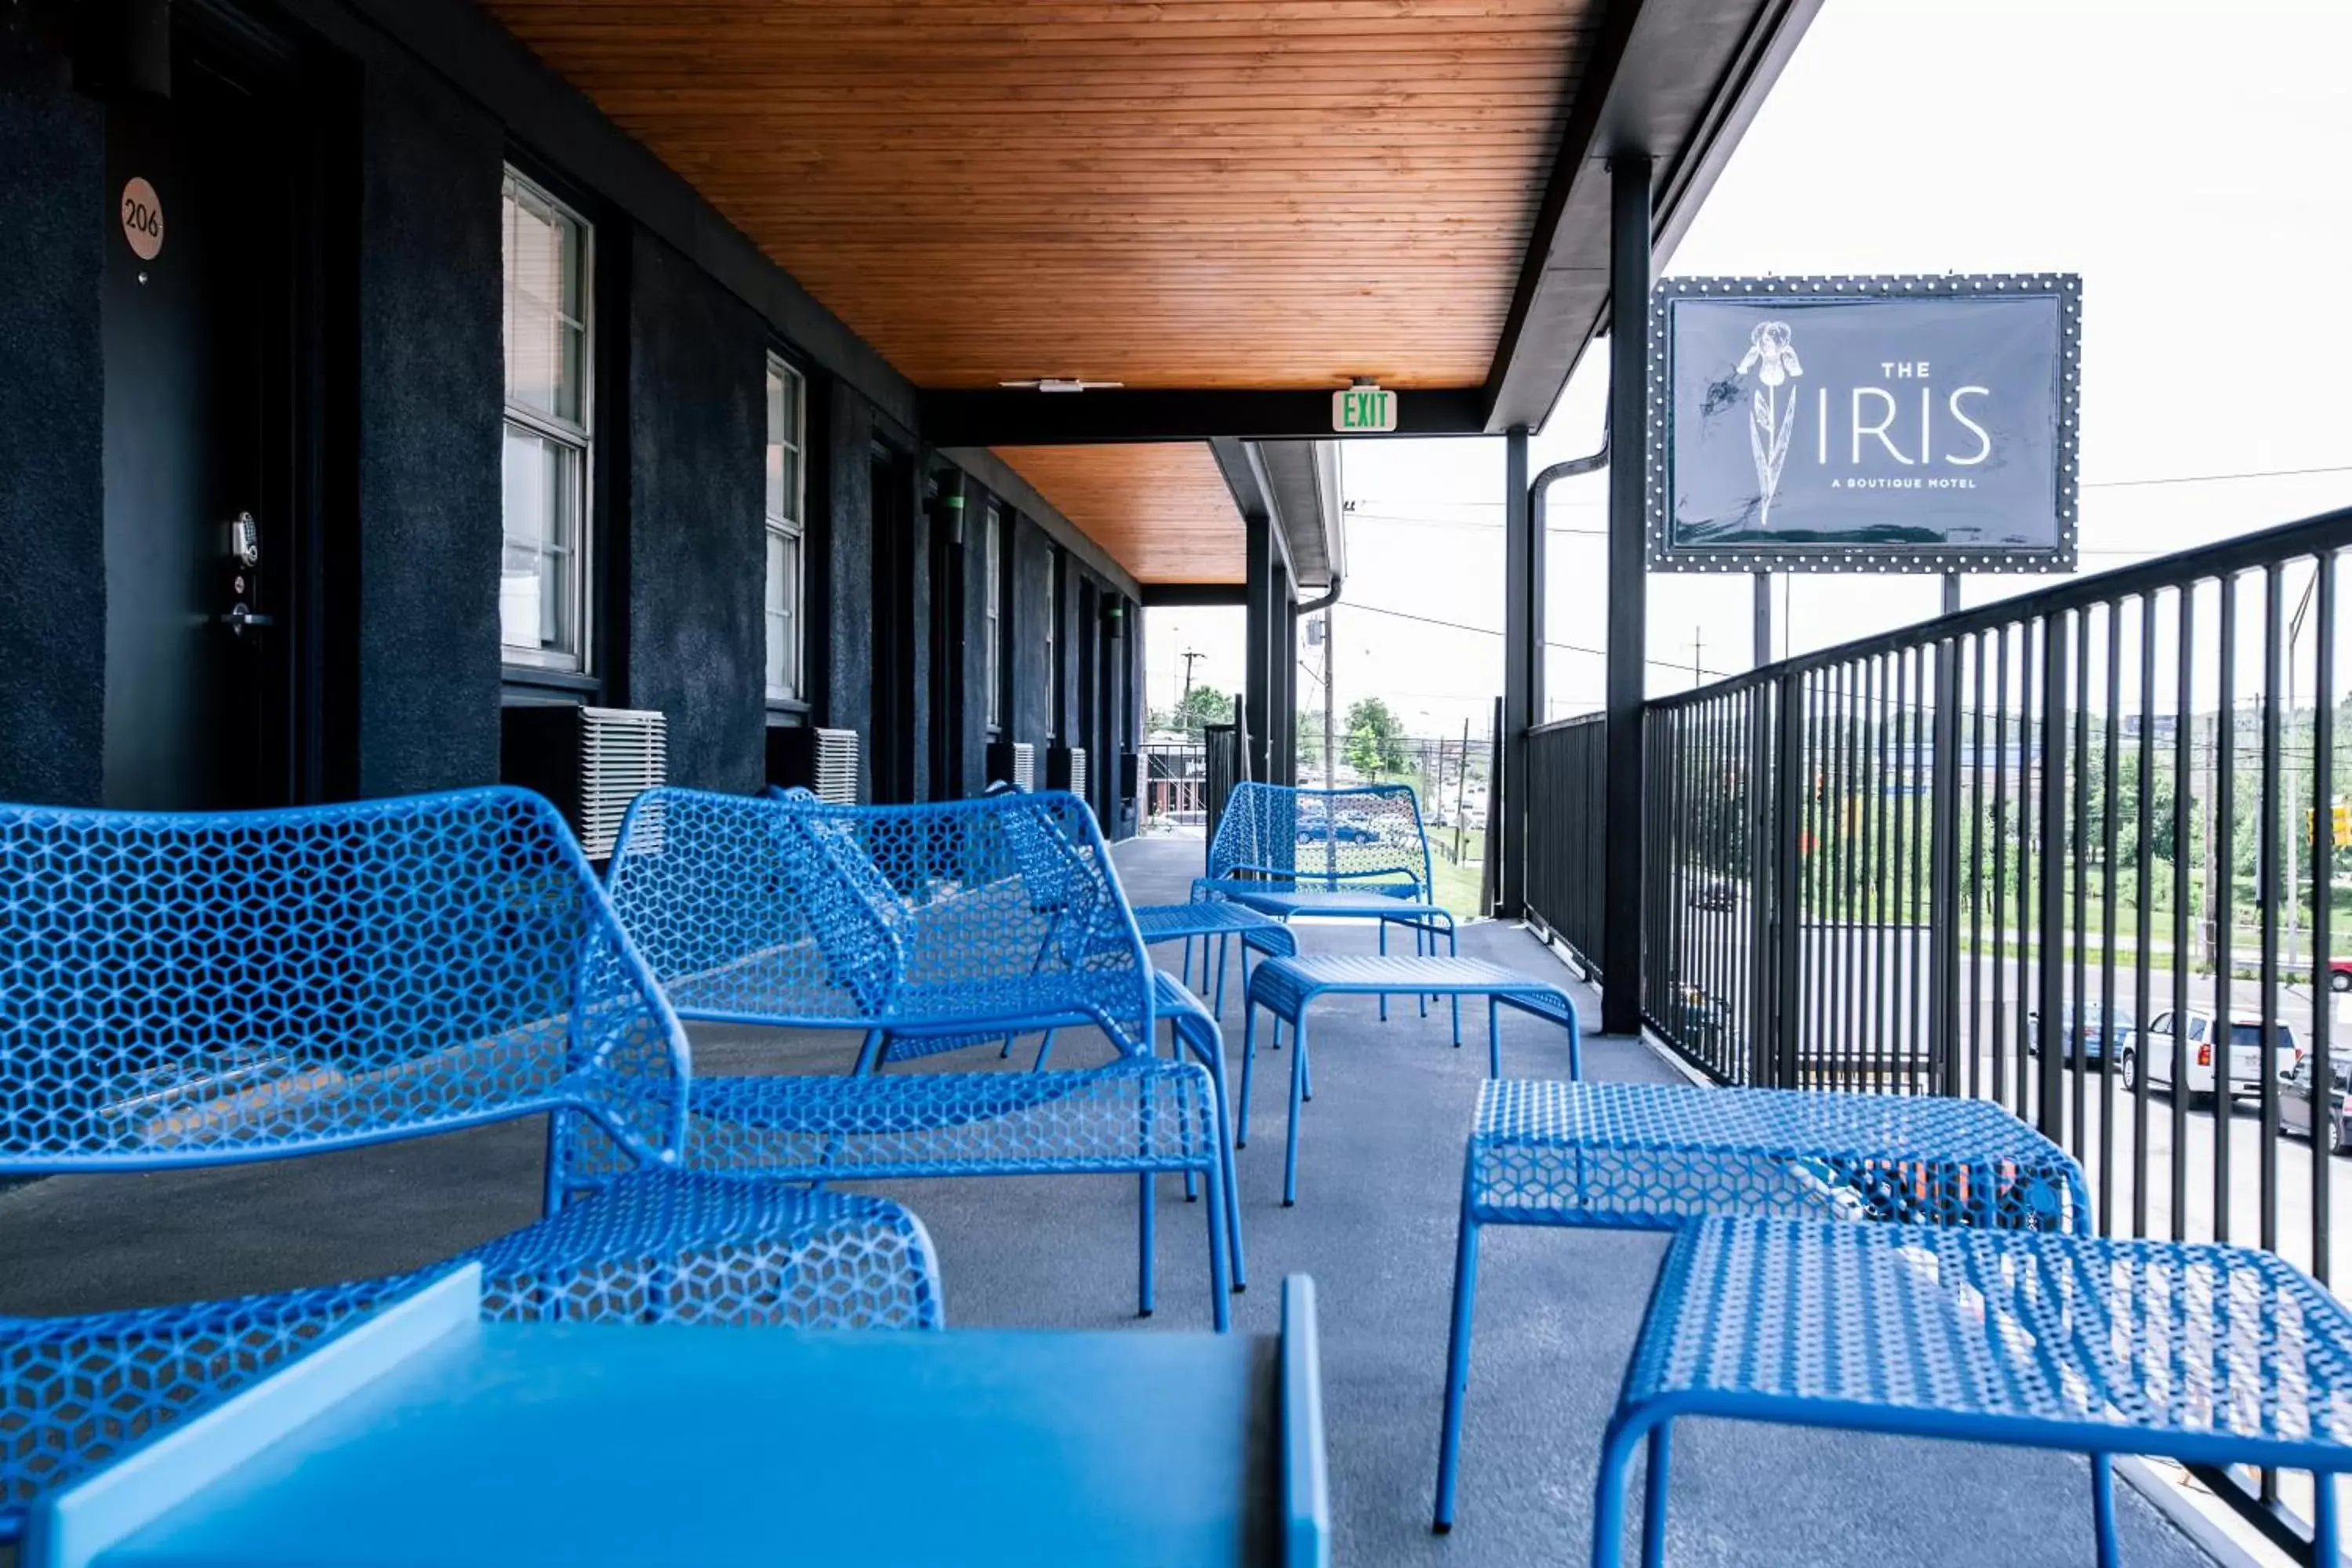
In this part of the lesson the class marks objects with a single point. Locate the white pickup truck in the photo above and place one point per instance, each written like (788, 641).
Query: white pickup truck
(2244, 1047)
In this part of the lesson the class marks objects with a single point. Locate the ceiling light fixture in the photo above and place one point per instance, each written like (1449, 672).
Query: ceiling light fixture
(1062, 383)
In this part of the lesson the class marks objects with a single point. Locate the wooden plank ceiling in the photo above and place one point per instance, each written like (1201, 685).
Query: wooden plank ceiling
(1162, 509)
(1214, 193)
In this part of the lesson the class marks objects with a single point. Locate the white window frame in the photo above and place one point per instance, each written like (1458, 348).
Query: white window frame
(993, 613)
(580, 439)
(793, 529)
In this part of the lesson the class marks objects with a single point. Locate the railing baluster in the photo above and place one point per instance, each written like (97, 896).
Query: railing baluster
(2050, 976)
(1944, 877)
(2144, 906)
(2220, 839)
(2110, 819)
(2269, 888)
(2323, 897)
(2183, 813)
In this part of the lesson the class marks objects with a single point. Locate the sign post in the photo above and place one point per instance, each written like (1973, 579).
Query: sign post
(1865, 424)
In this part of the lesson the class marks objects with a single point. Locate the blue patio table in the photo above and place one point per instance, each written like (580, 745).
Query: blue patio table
(1656, 1156)
(1212, 922)
(425, 1435)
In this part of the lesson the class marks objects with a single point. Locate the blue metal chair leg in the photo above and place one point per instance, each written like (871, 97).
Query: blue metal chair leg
(1176, 1053)
(1146, 1244)
(1224, 944)
(1045, 1049)
(1384, 952)
(2326, 1533)
(1457, 1365)
(1454, 949)
(1419, 942)
(1305, 1062)
(1495, 1039)
(2103, 1512)
(1185, 971)
(1220, 1288)
(1654, 1504)
(869, 1055)
(1609, 1492)
(1298, 1094)
(1249, 1061)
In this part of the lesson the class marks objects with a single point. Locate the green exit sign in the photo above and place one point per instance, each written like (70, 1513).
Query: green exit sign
(1363, 408)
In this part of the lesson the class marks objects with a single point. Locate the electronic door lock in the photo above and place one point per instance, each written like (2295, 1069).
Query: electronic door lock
(242, 618)
(245, 541)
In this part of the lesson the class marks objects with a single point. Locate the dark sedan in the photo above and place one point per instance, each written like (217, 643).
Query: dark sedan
(2090, 1036)
(2296, 1091)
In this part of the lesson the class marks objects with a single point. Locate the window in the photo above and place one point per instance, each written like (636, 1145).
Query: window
(992, 547)
(787, 394)
(543, 576)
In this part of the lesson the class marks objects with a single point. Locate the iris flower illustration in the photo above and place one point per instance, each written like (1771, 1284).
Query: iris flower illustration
(1774, 360)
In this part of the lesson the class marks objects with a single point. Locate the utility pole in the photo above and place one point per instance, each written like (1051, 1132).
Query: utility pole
(1189, 656)
(1330, 697)
(1698, 648)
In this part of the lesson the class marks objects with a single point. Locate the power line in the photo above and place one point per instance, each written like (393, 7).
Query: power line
(1490, 632)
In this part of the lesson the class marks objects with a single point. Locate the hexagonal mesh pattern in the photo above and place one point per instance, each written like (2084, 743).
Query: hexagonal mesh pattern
(2147, 1337)
(186, 989)
(1639, 1155)
(939, 924)
(192, 990)
(1368, 838)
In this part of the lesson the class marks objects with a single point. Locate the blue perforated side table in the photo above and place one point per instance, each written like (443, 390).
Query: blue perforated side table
(427, 1437)
(1287, 987)
(1214, 922)
(2210, 1355)
(1648, 1156)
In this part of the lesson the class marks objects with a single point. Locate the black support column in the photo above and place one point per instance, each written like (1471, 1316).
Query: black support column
(1259, 638)
(1629, 345)
(1523, 618)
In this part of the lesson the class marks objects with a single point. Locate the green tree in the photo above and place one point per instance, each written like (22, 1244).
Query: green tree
(1375, 738)
(1202, 706)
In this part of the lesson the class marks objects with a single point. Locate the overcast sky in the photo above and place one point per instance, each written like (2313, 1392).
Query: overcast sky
(2196, 175)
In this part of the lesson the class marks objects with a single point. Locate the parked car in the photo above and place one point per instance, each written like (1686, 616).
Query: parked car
(2298, 1114)
(2339, 975)
(2246, 1065)
(2091, 1036)
(1349, 829)
(1713, 893)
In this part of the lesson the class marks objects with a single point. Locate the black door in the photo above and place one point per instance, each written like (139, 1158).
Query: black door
(945, 708)
(209, 318)
(891, 734)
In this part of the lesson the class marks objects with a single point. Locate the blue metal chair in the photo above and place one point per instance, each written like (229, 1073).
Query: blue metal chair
(212, 989)
(1359, 853)
(1657, 1156)
(924, 929)
(2210, 1355)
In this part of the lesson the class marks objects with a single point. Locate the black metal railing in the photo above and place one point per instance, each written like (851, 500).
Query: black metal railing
(1175, 785)
(2074, 852)
(1564, 844)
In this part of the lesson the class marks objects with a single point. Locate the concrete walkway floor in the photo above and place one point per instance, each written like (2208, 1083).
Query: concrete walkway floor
(1379, 1182)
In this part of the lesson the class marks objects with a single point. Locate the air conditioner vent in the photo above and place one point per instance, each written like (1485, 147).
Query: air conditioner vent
(591, 761)
(1066, 768)
(623, 753)
(836, 767)
(1014, 763)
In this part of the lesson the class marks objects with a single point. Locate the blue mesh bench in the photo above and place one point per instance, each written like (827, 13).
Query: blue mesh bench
(1286, 987)
(925, 928)
(2206, 1353)
(210, 989)
(1359, 853)
(1656, 1156)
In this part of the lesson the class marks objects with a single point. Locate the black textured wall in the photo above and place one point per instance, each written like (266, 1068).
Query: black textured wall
(431, 347)
(52, 402)
(848, 652)
(696, 557)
